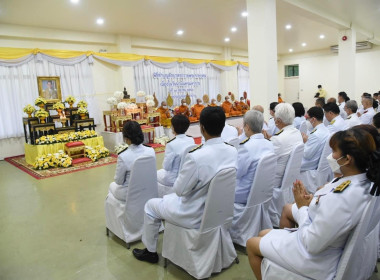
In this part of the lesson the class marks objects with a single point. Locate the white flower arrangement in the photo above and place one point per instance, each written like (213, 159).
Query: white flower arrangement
(149, 97)
(161, 140)
(112, 100)
(122, 105)
(118, 95)
(131, 106)
(59, 159)
(150, 103)
(121, 147)
(140, 93)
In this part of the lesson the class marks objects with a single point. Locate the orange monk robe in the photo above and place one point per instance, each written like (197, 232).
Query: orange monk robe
(184, 110)
(165, 116)
(212, 105)
(244, 107)
(196, 111)
(227, 107)
(280, 100)
(236, 110)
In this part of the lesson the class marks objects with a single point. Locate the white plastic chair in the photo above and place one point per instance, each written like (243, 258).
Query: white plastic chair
(234, 142)
(284, 194)
(208, 249)
(349, 268)
(126, 218)
(250, 219)
(312, 179)
(163, 189)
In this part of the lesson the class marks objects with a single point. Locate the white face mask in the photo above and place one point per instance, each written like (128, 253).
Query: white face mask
(165, 107)
(334, 165)
(184, 104)
(199, 103)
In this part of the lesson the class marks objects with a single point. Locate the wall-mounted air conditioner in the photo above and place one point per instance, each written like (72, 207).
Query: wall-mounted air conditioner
(359, 46)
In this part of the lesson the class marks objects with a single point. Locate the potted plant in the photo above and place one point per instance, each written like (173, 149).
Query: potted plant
(29, 109)
(42, 115)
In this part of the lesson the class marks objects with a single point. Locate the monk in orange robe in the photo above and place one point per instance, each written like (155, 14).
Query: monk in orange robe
(279, 98)
(243, 105)
(165, 114)
(213, 103)
(183, 109)
(236, 109)
(196, 110)
(227, 106)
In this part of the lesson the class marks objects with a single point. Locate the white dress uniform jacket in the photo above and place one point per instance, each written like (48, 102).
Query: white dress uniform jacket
(367, 116)
(272, 128)
(173, 153)
(283, 143)
(124, 165)
(353, 120)
(250, 151)
(337, 124)
(315, 248)
(185, 206)
(297, 121)
(313, 147)
(343, 113)
(229, 132)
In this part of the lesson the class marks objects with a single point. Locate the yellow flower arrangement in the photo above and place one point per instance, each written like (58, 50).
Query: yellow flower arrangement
(66, 137)
(70, 99)
(41, 114)
(82, 110)
(29, 109)
(39, 100)
(81, 104)
(97, 152)
(59, 106)
(59, 159)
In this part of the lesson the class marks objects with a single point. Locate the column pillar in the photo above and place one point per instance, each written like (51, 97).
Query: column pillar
(346, 60)
(127, 73)
(262, 52)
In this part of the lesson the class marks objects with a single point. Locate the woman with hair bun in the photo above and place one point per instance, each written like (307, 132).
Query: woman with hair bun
(134, 137)
(326, 218)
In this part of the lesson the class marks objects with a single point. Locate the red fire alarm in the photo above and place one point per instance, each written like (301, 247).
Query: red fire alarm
(344, 38)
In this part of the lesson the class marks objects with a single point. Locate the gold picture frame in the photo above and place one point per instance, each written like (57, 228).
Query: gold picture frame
(49, 88)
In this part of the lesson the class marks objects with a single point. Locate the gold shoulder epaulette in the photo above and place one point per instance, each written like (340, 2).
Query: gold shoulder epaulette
(245, 141)
(148, 146)
(332, 122)
(189, 136)
(314, 130)
(196, 148)
(170, 140)
(122, 151)
(349, 117)
(342, 187)
(278, 133)
(228, 144)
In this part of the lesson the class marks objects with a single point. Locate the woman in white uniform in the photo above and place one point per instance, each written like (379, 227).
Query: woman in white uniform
(326, 218)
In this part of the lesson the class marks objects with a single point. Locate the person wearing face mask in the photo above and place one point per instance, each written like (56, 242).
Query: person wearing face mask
(196, 110)
(183, 109)
(272, 128)
(315, 142)
(165, 114)
(350, 108)
(326, 218)
(332, 114)
(213, 103)
(227, 106)
(244, 106)
(185, 207)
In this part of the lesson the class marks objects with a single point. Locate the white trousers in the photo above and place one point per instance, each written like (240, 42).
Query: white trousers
(118, 191)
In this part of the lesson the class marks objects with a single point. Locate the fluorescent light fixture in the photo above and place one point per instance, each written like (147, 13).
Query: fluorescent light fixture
(244, 14)
(233, 29)
(226, 39)
(180, 32)
(100, 21)
(74, 1)
(321, 36)
(288, 26)
(303, 44)
(290, 50)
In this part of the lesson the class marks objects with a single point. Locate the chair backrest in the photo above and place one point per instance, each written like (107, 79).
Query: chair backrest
(32, 121)
(234, 142)
(323, 164)
(43, 129)
(81, 125)
(142, 185)
(219, 207)
(263, 183)
(303, 127)
(354, 243)
(293, 166)
(184, 153)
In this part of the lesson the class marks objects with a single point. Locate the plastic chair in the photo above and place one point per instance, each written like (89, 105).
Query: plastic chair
(208, 249)
(250, 219)
(126, 219)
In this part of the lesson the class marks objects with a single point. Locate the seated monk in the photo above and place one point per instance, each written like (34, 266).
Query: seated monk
(165, 114)
(227, 106)
(243, 105)
(183, 109)
(213, 103)
(196, 111)
(236, 109)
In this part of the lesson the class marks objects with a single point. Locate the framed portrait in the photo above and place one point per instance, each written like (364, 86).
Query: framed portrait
(49, 88)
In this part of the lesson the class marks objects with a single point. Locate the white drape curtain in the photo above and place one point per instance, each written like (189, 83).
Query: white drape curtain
(18, 87)
(145, 81)
(243, 80)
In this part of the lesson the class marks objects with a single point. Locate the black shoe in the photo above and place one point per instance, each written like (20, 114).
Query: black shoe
(145, 255)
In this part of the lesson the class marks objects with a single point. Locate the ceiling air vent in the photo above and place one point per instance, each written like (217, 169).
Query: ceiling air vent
(359, 46)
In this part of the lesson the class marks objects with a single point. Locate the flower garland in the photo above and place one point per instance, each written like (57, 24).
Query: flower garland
(66, 137)
(70, 99)
(29, 109)
(82, 103)
(39, 100)
(59, 159)
(96, 153)
(82, 110)
(41, 114)
(58, 106)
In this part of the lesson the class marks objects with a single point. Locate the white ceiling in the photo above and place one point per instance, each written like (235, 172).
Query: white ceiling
(204, 21)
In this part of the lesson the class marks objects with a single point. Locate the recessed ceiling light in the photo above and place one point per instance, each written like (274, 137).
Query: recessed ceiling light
(179, 32)
(288, 26)
(226, 39)
(244, 14)
(321, 36)
(303, 44)
(100, 21)
(74, 1)
(233, 29)
(290, 50)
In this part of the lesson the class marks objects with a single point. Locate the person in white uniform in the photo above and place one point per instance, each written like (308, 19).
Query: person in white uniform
(185, 207)
(369, 112)
(134, 137)
(361, 108)
(250, 151)
(320, 102)
(315, 142)
(174, 150)
(299, 113)
(332, 114)
(326, 219)
(376, 121)
(351, 107)
(342, 99)
(272, 128)
(229, 132)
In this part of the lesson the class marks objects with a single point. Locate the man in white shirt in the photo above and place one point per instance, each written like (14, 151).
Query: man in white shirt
(332, 114)
(369, 112)
(361, 108)
(272, 128)
(342, 99)
(320, 102)
(351, 108)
